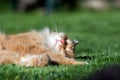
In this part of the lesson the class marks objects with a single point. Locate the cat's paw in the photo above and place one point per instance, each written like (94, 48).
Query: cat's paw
(43, 60)
(82, 63)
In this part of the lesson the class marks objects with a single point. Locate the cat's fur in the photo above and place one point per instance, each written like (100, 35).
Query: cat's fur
(37, 49)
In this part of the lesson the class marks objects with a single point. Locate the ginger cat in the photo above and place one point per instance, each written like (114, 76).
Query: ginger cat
(37, 49)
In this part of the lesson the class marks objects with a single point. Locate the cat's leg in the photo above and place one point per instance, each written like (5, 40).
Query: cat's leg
(8, 57)
(35, 60)
(43, 60)
(65, 60)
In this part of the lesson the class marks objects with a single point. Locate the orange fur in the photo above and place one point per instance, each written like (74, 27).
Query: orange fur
(39, 47)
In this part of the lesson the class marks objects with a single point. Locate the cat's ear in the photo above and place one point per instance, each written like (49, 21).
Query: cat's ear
(75, 41)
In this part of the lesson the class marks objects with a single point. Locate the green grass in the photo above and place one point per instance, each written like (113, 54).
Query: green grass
(98, 33)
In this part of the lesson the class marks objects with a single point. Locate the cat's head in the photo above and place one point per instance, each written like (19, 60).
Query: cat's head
(55, 39)
(60, 42)
(70, 47)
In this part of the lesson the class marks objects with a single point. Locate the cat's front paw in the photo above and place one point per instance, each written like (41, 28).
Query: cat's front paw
(82, 63)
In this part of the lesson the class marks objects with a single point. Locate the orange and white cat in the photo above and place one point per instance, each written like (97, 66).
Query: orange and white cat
(37, 49)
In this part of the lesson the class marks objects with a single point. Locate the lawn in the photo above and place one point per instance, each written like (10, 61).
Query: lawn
(98, 33)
